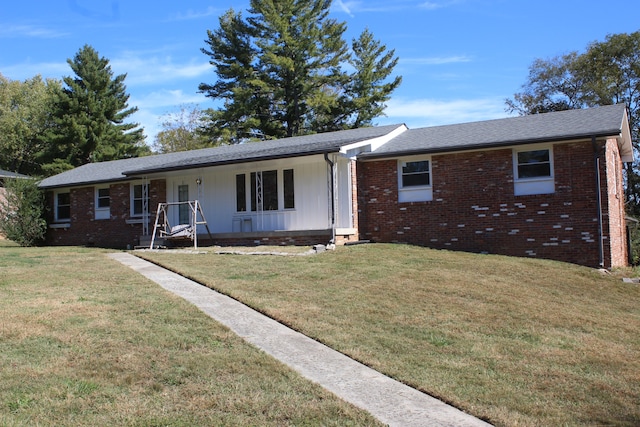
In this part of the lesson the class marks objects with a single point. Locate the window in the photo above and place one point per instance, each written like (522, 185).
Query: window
(137, 198)
(184, 209)
(533, 164)
(533, 171)
(103, 201)
(289, 197)
(241, 193)
(267, 181)
(414, 179)
(415, 174)
(63, 206)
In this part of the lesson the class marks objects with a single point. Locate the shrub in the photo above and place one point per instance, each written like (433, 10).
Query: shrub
(22, 213)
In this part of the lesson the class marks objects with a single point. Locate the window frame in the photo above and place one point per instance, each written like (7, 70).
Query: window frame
(273, 186)
(415, 193)
(288, 190)
(57, 206)
(543, 184)
(133, 199)
(102, 212)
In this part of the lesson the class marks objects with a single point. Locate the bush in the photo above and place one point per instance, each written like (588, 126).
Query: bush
(22, 213)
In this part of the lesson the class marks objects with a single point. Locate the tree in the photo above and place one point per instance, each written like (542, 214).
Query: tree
(22, 213)
(368, 87)
(90, 114)
(280, 73)
(25, 116)
(181, 131)
(606, 73)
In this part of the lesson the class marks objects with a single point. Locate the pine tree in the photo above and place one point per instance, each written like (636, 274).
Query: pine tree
(90, 117)
(280, 73)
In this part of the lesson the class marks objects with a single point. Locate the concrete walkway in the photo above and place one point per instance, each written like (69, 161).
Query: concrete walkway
(388, 400)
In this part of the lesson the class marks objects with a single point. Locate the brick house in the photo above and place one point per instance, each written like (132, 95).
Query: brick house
(547, 185)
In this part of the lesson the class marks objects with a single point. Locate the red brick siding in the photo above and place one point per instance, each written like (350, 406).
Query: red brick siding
(613, 207)
(84, 229)
(474, 207)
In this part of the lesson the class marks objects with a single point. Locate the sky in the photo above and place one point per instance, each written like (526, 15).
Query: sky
(459, 59)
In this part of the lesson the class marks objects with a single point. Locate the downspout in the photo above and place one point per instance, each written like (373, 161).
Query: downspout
(333, 198)
(596, 158)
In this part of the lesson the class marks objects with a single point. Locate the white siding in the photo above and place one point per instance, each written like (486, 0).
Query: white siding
(218, 196)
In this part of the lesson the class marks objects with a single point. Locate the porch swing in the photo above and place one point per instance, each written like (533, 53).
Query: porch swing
(163, 229)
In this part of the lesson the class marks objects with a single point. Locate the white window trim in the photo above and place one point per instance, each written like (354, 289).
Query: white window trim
(102, 213)
(131, 200)
(421, 193)
(55, 206)
(536, 185)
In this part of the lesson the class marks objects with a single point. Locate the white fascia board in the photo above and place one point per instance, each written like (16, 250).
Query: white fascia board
(624, 141)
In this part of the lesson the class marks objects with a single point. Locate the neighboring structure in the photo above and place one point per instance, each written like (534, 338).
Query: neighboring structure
(547, 185)
(4, 175)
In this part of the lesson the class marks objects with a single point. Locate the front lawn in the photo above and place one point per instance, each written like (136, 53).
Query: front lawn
(514, 341)
(85, 341)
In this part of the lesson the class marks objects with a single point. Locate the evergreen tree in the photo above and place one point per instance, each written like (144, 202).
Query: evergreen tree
(369, 88)
(90, 117)
(280, 73)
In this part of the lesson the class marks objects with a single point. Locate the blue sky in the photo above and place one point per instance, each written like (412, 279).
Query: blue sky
(459, 59)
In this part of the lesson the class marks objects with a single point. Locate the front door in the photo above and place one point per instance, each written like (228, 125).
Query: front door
(184, 210)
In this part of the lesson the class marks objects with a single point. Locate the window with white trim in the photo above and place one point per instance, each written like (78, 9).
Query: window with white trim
(137, 194)
(62, 207)
(102, 203)
(533, 170)
(414, 179)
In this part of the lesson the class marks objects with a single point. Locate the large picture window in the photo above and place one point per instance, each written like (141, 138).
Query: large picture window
(63, 207)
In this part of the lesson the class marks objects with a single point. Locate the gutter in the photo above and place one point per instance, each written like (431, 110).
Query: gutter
(596, 161)
(333, 198)
(484, 146)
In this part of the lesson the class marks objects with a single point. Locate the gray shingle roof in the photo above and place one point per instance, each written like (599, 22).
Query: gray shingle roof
(7, 174)
(548, 127)
(120, 170)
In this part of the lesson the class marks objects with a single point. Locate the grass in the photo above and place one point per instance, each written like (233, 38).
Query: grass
(85, 341)
(513, 341)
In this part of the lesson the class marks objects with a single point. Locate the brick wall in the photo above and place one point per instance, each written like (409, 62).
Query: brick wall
(115, 232)
(474, 207)
(613, 206)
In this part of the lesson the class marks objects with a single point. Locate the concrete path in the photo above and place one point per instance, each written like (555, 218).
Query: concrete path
(388, 400)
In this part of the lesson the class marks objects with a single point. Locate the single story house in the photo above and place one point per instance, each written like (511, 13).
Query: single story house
(547, 185)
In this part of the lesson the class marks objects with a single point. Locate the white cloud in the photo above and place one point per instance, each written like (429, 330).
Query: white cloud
(344, 7)
(432, 112)
(156, 70)
(436, 60)
(27, 70)
(196, 14)
(17, 31)
(152, 106)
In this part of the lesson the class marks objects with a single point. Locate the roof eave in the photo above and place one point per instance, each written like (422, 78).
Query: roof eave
(490, 145)
(227, 162)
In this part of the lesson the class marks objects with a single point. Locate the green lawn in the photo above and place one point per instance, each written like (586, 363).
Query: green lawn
(514, 341)
(85, 341)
